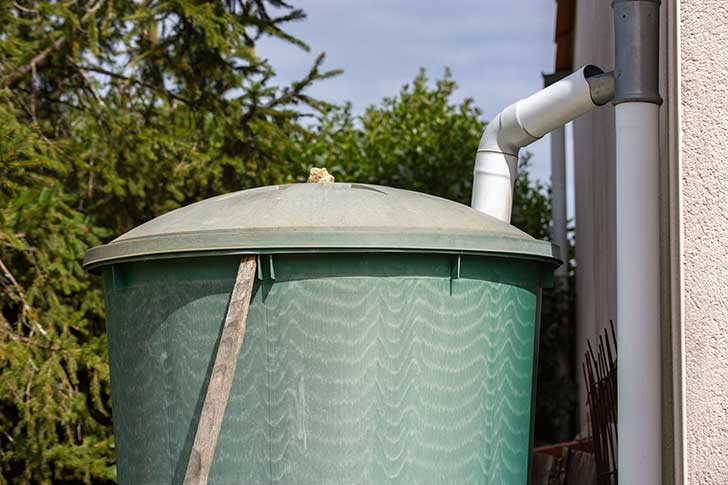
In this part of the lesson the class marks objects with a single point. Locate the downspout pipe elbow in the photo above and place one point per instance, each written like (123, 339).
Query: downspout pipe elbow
(524, 122)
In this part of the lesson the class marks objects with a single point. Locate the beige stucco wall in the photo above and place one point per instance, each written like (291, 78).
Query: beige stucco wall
(704, 122)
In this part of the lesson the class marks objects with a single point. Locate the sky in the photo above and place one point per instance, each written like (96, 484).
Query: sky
(497, 50)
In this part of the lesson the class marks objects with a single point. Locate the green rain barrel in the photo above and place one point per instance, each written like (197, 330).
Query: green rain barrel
(391, 338)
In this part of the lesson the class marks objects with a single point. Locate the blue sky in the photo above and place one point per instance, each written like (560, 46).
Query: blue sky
(496, 49)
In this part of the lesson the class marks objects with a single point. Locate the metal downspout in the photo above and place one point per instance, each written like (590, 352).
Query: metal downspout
(637, 100)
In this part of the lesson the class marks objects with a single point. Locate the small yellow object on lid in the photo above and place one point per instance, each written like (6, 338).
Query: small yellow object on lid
(320, 176)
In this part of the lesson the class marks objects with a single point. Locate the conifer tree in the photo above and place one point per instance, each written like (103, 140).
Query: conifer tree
(112, 112)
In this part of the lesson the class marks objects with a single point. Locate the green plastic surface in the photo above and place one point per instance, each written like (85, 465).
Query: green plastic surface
(356, 368)
(321, 217)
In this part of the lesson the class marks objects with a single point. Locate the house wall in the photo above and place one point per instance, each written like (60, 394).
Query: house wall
(595, 212)
(704, 122)
(694, 225)
(594, 191)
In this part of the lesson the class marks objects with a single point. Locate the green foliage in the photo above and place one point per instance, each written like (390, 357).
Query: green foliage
(419, 140)
(52, 348)
(115, 111)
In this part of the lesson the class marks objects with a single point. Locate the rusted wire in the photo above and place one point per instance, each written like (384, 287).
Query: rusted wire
(600, 376)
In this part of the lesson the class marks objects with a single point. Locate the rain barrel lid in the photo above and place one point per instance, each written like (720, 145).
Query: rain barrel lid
(320, 217)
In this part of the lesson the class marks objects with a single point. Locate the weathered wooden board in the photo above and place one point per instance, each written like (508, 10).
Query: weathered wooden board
(218, 389)
(581, 469)
(542, 468)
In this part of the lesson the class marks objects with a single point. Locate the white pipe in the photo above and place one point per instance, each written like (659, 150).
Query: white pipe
(638, 297)
(639, 369)
(521, 124)
(558, 195)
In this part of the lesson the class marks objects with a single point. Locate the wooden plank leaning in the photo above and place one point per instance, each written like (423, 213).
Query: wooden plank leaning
(221, 380)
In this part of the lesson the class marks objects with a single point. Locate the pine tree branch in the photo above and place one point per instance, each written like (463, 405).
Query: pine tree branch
(106, 72)
(27, 309)
(42, 58)
(39, 60)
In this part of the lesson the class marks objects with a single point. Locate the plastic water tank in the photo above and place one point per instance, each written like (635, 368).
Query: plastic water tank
(391, 338)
